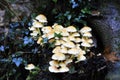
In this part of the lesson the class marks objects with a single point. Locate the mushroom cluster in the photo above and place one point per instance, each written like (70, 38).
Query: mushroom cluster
(70, 43)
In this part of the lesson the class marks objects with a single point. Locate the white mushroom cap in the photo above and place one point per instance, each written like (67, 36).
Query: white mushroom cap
(73, 51)
(37, 24)
(29, 67)
(64, 69)
(64, 32)
(32, 28)
(54, 63)
(46, 29)
(80, 57)
(77, 40)
(68, 61)
(63, 50)
(71, 38)
(85, 44)
(87, 34)
(62, 64)
(58, 42)
(56, 49)
(76, 34)
(58, 56)
(85, 29)
(58, 28)
(71, 29)
(50, 35)
(53, 69)
(87, 40)
(69, 44)
(41, 18)
(34, 33)
(65, 39)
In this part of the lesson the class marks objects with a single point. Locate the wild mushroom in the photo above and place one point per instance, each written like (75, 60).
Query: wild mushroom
(46, 29)
(54, 63)
(76, 34)
(71, 29)
(64, 32)
(87, 34)
(37, 24)
(29, 67)
(69, 44)
(56, 49)
(73, 51)
(59, 56)
(53, 69)
(85, 44)
(41, 18)
(85, 29)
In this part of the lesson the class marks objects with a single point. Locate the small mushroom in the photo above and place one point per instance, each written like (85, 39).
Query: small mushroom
(54, 63)
(56, 49)
(29, 67)
(87, 34)
(41, 18)
(85, 29)
(73, 51)
(58, 56)
(53, 69)
(69, 44)
(76, 34)
(64, 32)
(46, 29)
(71, 29)
(37, 24)
(85, 44)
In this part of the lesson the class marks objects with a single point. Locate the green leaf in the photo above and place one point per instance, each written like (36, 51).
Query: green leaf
(58, 35)
(55, 1)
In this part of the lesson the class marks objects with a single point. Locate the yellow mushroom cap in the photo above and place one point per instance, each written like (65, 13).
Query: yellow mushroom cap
(77, 40)
(34, 33)
(65, 39)
(85, 29)
(50, 35)
(56, 49)
(29, 67)
(54, 63)
(69, 44)
(76, 34)
(71, 29)
(64, 32)
(32, 28)
(58, 28)
(68, 61)
(87, 40)
(64, 69)
(41, 18)
(71, 38)
(37, 24)
(53, 69)
(63, 50)
(46, 29)
(58, 56)
(87, 34)
(80, 57)
(58, 42)
(73, 51)
(85, 44)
